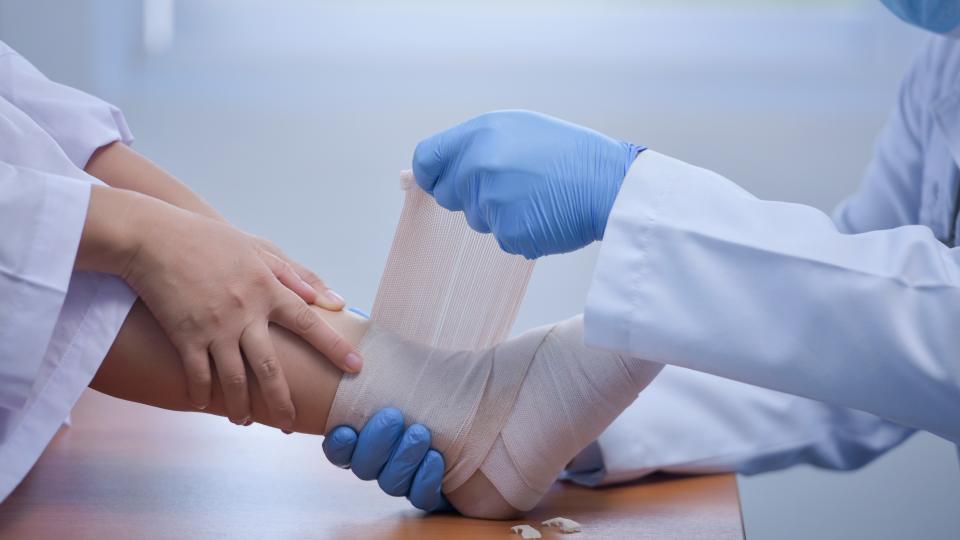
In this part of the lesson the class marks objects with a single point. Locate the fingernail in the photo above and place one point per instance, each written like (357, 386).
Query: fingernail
(286, 431)
(286, 426)
(353, 362)
(200, 406)
(248, 422)
(334, 297)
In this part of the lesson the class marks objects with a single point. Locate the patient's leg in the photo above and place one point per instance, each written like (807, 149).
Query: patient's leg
(507, 419)
(143, 366)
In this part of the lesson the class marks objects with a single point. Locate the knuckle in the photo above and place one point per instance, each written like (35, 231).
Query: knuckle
(284, 409)
(305, 318)
(417, 434)
(269, 367)
(236, 298)
(337, 346)
(186, 326)
(261, 280)
(215, 317)
(200, 378)
(235, 383)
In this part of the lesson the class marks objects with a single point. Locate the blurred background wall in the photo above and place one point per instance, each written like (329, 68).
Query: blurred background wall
(294, 117)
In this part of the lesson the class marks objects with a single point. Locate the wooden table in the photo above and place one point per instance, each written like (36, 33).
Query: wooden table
(129, 471)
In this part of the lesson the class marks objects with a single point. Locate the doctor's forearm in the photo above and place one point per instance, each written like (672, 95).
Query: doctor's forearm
(120, 166)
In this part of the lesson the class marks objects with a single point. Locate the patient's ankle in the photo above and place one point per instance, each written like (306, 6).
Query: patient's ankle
(349, 325)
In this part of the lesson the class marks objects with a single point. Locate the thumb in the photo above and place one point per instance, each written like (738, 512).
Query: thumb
(433, 154)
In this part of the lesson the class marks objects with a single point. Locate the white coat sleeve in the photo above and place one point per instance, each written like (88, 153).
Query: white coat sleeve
(693, 422)
(56, 325)
(696, 272)
(41, 216)
(78, 122)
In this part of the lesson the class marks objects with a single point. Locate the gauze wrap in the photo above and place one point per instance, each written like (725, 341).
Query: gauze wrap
(445, 288)
(516, 411)
(446, 285)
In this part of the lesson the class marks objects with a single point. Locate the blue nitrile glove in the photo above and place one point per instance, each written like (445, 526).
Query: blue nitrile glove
(401, 460)
(539, 184)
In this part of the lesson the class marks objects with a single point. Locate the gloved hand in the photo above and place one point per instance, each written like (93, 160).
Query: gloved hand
(401, 460)
(539, 184)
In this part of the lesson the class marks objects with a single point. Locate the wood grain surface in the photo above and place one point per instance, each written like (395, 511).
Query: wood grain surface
(129, 471)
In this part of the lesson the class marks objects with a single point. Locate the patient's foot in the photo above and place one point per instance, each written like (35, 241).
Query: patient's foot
(508, 419)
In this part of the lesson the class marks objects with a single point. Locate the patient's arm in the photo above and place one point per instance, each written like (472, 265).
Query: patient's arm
(122, 167)
(143, 366)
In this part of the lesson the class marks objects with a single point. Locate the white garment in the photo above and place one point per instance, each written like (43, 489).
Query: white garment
(859, 312)
(56, 325)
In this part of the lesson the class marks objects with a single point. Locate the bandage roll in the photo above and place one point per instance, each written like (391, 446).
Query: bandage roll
(446, 285)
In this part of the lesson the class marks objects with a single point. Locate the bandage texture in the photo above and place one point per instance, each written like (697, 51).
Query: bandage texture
(446, 285)
(515, 410)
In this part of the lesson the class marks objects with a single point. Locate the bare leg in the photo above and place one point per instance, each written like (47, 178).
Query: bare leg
(143, 366)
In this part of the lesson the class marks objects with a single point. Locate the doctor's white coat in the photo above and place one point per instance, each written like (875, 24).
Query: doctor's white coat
(56, 325)
(860, 313)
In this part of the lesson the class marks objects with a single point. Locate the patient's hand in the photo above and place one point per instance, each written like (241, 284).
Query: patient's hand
(214, 290)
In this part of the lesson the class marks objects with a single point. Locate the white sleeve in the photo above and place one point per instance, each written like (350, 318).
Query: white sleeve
(695, 423)
(696, 272)
(41, 216)
(56, 325)
(78, 122)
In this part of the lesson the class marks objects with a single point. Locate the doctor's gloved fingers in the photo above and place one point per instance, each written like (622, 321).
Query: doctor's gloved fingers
(262, 357)
(196, 366)
(434, 155)
(426, 489)
(339, 445)
(233, 380)
(295, 315)
(397, 475)
(376, 442)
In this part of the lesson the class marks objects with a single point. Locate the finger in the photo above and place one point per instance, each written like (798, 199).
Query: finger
(196, 366)
(233, 381)
(262, 358)
(447, 193)
(476, 217)
(376, 442)
(339, 445)
(425, 492)
(397, 474)
(300, 319)
(327, 298)
(289, 277)
(432, 156)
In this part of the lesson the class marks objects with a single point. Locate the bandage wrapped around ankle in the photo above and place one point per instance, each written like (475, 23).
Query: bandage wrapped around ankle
(518, 410)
